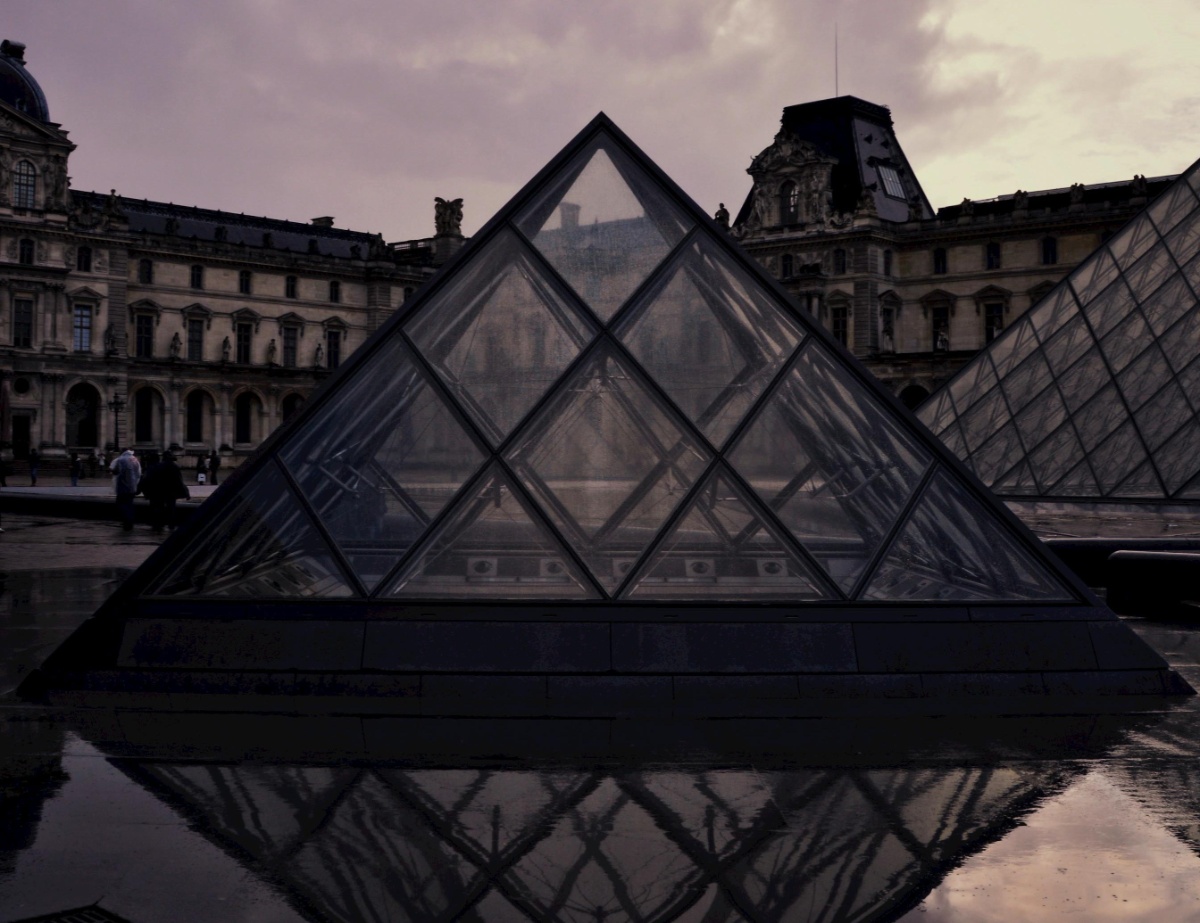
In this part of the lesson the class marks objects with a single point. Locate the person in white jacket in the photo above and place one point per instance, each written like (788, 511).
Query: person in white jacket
(127, 471)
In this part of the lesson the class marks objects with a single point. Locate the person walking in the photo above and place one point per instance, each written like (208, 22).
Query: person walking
(201, 467)
(214, 462)
(162, 485)
(35, 460)
(128, 472)
(76, 468)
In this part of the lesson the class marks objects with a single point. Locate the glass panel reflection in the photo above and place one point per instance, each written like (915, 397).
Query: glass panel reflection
(499, 335)
(831, 465)
(379, 461)
(607, 463)
(492, 545)
(947, 550)
(711, 338)
(262, 545)
(604, 225)
(723, 548)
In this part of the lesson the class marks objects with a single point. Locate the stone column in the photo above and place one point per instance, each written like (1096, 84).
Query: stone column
(272, 410)
(52, 420)
(221, 428)
(174, 432)
(56, 327)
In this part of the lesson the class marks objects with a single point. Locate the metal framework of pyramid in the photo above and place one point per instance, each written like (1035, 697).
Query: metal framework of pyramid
(603, 442)
(1095, 392)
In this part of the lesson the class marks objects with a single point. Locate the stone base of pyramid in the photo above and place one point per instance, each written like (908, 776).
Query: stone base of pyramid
(613, 663)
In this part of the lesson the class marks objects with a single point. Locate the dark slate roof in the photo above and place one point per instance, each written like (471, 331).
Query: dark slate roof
(17, 86)
(1118, 193)
(147, 217)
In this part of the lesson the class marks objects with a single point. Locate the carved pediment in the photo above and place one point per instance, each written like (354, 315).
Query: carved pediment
(146, 306)
(787, 153)
(334, 323)
(85, 293)
(246, 315)
(197, 310)
(291, 319)
(16, 124)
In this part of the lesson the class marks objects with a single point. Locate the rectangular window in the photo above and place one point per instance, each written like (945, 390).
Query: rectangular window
(25, 252)
(197, 277)
(244, 332)
(891, 181)
(244, 282)
(83, 261)
(941, 328)
(290, 337)
(993, 320)
(1049, 251)
(940, 264)
(333, 348)
(289, 287)
(335, 291)
(992, 256)
(144, 336)
(195, 343)
(839, 262)
(23, 323)
(83, 328)
(839, 324)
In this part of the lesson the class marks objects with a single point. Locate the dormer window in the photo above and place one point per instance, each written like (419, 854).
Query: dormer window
(24, 184)
(789, 203)
(891, 181)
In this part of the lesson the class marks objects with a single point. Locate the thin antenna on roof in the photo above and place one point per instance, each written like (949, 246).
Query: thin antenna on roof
(836, 91)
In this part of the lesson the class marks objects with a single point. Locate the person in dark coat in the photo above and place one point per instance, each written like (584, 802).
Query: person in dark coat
(76, 468)
(162, 485)
(35, 459)
(201, 467)
(214, 462)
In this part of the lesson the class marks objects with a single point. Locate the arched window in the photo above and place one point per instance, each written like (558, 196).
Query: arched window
(335, 291)
(197, 277)
(24, 185)
(839, 262)
(289, 287)
(83, 416)
(145, 271)
(244, 282)
(83, 259)
(194, 424)
(143, 415)
(940, 263)
(25, 251)
(1049, 251)
(789, 203)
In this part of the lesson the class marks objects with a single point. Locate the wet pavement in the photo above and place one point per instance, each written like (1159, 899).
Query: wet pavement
(1070, 817)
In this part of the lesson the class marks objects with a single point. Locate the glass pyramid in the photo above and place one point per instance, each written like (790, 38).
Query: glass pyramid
(604, 399)
(1095, 392)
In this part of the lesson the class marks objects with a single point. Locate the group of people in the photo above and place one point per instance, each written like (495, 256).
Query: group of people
(161, 483)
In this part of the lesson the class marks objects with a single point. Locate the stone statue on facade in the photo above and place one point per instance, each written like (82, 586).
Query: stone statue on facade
(447, 217)
(225, 350)
(1077, 191)
(110, 344)
(722, 216)
(112, 206)
(967, 208)
(866, 201)
(176, 345)
(377, 248)
(942, 343)
(355, 252)
(1137, 188)
(272, 351)
(319, 357)
(1020, 200)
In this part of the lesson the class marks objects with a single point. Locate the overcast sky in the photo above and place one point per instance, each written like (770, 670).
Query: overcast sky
(367, 109)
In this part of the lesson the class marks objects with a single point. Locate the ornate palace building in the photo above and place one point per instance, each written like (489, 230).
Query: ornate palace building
(125, 321)
(837, 213)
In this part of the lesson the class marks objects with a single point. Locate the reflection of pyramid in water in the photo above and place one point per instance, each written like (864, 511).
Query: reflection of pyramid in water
(603, 404)
(569, 845)
(1095, 392)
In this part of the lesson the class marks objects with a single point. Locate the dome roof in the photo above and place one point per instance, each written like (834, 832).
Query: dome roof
(17, 86)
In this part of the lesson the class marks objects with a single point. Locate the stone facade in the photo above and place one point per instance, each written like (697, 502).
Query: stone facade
(837, 214)
(130, 322)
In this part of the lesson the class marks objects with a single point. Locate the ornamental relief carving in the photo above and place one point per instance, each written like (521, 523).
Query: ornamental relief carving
(792, 185)
(11, 249)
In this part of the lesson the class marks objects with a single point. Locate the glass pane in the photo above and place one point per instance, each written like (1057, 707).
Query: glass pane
(1109, 308)
(1018, 482)
(1066, 346)
(607, 463)
(1115, 459)
(1184, 241)
(1041, 418)
(381, 459)
(972, 383)
(1078, 482)
(985, 418)
(953, 440)
(1168, 304)
(604, 225)
(1171, 206)
(1179, 460)
(1013, 346)
(1145, 375)
(1092, 275)
(1148, 273)
(1128, 244)
(1180, 342)
(1024, 383)
(832, 464)
(1192, 491)
(499, 335)
(723, 548)
(1163, 415)
(1189, 381)
(1142, 483)
(938, 412)
(951, 548)
(260, 546)
(1126, 340)
(1100, 416)
(1053, 311)
(1056, 456)
(492, 546)
(711, 338)
(1081, 381)
(998, 455)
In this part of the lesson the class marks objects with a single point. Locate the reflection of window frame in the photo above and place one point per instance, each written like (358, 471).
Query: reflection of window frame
(889, 178)
(81, 328)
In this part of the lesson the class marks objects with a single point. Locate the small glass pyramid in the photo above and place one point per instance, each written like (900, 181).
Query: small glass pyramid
(604, 399)
(1096, 391)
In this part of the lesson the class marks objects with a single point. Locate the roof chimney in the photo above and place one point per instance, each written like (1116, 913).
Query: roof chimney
(13, 49)
(569, 213)
(325, 221)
